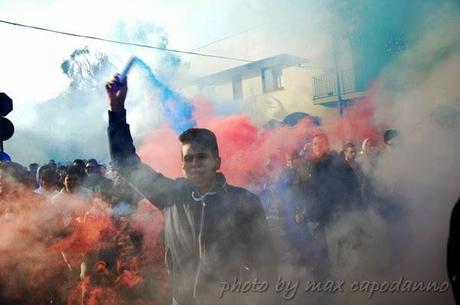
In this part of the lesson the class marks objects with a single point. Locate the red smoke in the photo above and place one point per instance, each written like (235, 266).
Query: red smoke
(248, 152)
(357, 122)
(161, 150)
(39, 256)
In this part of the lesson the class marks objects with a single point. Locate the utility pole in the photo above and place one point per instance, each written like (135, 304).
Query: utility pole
(335, 37)
(338, 71)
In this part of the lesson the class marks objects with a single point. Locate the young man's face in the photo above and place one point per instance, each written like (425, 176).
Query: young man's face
(293, 160)
(370, 147)
(319, 146)
(350, 154)
(71, 183)
(199, 165)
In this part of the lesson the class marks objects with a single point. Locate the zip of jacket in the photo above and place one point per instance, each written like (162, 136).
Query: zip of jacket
(200, 237)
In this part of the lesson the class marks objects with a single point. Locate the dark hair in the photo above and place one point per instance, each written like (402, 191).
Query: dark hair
(52, 163)
(348, 145)
(49, 175)
(14, 170)
(92, 162)
(390, 134)
(43, 168)
(74, 170)
(79, 162)
(200, 136)
(33, 165)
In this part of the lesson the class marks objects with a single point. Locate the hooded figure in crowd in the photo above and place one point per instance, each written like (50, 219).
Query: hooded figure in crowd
(214, 232)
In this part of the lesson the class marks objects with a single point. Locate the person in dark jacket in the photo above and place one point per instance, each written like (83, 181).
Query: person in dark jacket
(348, 155)
(293, 189)
(334, 184)
(335, 190)
(215, 233)
(453, 267)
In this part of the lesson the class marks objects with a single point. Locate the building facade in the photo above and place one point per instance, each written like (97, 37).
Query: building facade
(267, 90)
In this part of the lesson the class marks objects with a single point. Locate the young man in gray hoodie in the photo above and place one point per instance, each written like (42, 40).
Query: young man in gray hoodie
(216, 234)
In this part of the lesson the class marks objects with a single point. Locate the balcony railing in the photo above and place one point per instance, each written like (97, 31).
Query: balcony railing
(326, 85)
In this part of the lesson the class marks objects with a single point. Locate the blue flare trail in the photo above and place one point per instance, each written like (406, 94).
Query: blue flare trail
(177, 109)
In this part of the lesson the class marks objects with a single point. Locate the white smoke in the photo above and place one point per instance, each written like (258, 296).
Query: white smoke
(420, 176)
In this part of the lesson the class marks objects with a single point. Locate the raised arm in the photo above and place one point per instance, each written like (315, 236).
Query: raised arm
(154, 186)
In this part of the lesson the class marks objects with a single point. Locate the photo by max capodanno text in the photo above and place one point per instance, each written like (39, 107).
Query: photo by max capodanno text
(288, 289)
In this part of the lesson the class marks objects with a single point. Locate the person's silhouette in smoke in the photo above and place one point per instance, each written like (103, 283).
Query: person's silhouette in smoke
(453, 253)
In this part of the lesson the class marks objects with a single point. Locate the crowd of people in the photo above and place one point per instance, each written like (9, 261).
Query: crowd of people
(317, 187)
(93, 250)
(314, 188)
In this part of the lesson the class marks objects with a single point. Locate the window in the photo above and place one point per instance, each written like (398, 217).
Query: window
(271, 79)
(237, 84)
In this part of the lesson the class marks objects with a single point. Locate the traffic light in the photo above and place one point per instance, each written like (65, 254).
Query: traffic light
(6, 127)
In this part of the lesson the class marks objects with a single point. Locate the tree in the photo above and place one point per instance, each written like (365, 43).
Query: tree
(87, 69)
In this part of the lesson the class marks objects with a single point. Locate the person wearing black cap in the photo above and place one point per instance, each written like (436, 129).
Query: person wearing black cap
(390, 136)
(96, 182)
(215, 233)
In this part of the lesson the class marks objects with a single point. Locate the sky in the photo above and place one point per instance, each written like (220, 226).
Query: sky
(31, 59)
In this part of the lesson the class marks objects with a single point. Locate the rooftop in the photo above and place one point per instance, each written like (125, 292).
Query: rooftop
(251, 69)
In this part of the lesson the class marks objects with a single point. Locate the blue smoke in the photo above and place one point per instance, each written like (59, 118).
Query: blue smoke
(177, 109)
